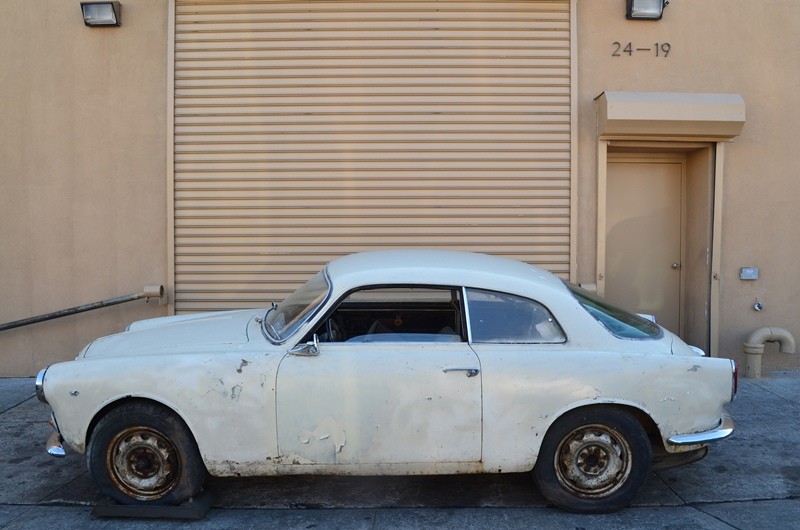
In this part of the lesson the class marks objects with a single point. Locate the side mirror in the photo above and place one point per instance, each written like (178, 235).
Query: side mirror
(309, 349)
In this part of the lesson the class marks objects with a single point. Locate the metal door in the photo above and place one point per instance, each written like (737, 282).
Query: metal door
(643, 237)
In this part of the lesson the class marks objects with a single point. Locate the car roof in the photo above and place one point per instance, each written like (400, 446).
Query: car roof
(439, 267)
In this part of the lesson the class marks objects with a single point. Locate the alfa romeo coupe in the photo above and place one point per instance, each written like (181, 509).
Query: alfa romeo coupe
(394, 363)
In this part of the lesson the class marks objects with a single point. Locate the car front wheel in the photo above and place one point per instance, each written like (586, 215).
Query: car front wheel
(593, 460)
(142, 453)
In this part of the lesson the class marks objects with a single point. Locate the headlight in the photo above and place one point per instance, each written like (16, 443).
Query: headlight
(40, 386)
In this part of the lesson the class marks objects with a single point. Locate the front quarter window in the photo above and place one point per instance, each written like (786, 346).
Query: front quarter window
(620, 323)
(282, 320)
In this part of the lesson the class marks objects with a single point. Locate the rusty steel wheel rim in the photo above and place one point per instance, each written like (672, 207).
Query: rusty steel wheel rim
(593, 461)
(143, 463)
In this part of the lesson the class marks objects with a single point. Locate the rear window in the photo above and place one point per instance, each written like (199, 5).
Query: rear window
(619, 322)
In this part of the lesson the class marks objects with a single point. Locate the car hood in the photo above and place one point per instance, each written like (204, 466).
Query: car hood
(203, 332)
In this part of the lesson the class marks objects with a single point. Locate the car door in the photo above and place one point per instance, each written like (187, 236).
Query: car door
(374, 396)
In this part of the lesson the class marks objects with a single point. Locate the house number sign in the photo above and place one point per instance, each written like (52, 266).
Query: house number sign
(621, 49)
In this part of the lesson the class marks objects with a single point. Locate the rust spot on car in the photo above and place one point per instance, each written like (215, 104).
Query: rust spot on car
(242, 365)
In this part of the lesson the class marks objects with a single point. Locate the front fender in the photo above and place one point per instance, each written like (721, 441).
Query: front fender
(227, 401)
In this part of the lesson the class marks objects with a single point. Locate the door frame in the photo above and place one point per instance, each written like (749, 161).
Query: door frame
(655, 150)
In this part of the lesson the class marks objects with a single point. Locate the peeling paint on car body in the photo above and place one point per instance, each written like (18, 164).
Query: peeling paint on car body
(387, 408)
(242, 365)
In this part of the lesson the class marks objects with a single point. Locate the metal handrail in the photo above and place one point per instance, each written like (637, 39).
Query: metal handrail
(150, 291)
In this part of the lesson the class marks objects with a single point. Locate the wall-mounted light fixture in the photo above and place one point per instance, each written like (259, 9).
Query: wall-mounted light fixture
(645, 9)
(98, 14)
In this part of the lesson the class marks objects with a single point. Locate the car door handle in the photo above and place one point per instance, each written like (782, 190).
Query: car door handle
(471, 372)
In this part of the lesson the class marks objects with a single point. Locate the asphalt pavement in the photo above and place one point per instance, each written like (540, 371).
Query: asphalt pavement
(749, 481)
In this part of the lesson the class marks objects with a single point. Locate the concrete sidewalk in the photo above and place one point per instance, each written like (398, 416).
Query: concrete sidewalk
(751, 480)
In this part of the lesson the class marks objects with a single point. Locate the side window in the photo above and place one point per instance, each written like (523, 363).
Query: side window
(509, 319)
(396, 314)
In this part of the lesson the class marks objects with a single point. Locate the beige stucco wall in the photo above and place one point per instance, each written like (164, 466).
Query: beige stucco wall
(728, 46)
(82, 172)
(83, 158)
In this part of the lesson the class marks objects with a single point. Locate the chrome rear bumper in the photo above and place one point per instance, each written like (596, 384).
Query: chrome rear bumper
(722, 431)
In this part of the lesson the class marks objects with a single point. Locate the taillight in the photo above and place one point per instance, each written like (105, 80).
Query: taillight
(735, 382)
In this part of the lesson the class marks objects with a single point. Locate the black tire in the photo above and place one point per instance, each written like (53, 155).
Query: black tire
(593, 460)
(142, 453)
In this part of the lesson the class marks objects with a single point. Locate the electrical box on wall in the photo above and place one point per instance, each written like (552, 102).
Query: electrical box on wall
(748, 273)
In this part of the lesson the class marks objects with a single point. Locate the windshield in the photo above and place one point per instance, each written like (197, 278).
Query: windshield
(282, 320)
(619, 322)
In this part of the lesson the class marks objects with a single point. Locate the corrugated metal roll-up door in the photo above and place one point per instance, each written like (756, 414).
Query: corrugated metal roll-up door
(308, 130)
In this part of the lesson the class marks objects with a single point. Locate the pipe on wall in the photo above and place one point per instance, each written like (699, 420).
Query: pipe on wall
(754, 347)
(149, 291)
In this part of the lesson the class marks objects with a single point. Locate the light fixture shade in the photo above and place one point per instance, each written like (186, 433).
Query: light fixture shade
(645, 9)
(101, 13)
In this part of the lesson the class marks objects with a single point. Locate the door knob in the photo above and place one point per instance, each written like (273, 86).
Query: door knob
(676, 266)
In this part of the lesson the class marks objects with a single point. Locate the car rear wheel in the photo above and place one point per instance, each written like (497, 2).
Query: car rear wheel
(142, 453)
(593, 460)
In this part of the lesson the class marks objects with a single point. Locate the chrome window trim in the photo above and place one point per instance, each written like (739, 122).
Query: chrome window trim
(465, 312)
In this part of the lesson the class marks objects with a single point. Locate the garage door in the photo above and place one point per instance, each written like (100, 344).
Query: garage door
(309, 130)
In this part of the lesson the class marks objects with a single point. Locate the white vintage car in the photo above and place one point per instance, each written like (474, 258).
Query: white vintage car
(394, 363)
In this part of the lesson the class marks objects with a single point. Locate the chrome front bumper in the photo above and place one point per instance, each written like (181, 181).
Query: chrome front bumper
(54, 447)
(54, 441)
(40, 386)
(722, 431)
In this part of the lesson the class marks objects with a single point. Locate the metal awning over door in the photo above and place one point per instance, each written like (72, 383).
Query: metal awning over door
(308, 130)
